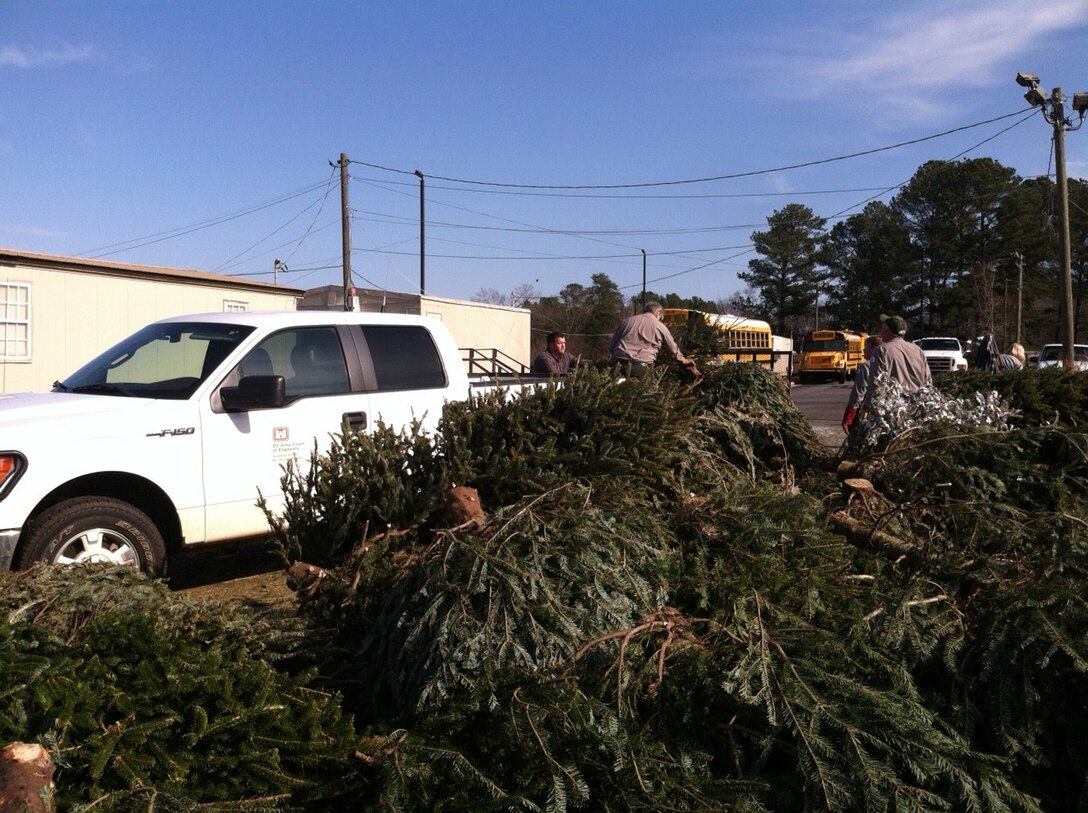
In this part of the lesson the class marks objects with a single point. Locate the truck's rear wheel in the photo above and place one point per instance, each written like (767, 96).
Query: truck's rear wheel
(90, 530)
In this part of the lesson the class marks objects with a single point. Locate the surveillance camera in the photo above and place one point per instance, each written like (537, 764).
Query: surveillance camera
(1080, 102)
(1027, 80)
(1035, 97)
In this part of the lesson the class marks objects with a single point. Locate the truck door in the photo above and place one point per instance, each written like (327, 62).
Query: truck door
(404, 374)
(245, 452)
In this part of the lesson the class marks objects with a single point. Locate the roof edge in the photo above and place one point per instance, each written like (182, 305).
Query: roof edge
(93, 266)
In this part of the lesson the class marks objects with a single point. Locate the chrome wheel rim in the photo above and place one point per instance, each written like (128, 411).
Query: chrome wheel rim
(98, 546)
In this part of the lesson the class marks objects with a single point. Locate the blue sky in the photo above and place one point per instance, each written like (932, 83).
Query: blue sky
(200, 134)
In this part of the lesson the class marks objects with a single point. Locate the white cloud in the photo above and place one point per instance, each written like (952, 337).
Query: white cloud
(14, 56)
(966, 46)
(907, 60)
(27, 231)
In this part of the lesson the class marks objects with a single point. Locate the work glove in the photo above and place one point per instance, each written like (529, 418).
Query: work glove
(848, 419)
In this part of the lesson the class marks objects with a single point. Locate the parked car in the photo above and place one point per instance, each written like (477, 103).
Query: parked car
(943, 353)
(1051, 356)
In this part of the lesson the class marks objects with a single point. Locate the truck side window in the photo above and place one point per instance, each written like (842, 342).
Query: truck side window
(404, 357)
(317, 363)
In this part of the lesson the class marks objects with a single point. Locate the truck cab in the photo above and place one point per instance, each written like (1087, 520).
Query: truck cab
(167, 439)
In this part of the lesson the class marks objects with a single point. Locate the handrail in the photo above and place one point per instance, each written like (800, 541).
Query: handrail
(491, 361)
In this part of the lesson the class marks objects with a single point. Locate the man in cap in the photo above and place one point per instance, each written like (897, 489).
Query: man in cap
(638, 340)
(899, 359)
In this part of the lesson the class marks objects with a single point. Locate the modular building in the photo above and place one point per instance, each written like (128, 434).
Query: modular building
(57, 313)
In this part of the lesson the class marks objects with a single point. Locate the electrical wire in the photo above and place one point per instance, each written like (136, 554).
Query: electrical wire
(158, 237)
(382, 183)
(547, 190)
(708, 179)
(586, 234)
(274, 249)
(397, 220)
(310, 230)
(275, 231)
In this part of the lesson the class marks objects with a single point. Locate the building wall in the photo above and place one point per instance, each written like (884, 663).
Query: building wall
(483, 326)
(75, 315)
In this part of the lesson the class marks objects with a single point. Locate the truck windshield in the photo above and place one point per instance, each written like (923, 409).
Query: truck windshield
(160, 361)
(939, 344)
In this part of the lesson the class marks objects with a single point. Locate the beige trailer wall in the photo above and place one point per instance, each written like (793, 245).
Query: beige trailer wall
(74, 316)
(472, 324)
(483, 326)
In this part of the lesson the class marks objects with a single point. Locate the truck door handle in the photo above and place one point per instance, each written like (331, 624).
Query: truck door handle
(354, 421)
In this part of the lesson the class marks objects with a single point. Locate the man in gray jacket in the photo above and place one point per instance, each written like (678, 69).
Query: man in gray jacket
(901, 360)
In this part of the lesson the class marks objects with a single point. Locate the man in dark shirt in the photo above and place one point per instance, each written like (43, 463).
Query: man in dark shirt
(554, 359)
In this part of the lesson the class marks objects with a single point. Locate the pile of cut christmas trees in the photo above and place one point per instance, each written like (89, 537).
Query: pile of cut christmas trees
(610, 595)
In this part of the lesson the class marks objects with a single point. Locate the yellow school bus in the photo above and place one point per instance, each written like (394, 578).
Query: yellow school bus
(738, 339)
(831, 354)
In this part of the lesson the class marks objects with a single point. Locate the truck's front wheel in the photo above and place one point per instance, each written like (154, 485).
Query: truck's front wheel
(90, 530)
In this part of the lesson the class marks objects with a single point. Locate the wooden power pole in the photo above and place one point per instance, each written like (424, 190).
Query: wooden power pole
(345, 231)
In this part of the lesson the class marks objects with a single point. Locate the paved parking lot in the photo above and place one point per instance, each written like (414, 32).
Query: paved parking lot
(823, 405)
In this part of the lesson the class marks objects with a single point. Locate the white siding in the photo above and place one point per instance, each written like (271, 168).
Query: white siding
(76, 315)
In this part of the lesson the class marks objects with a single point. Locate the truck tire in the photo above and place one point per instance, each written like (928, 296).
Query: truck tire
(89, 530)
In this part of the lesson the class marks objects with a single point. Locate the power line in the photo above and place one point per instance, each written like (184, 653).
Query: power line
(158, 237)
(397, 220)
(589, 234)
(274, 249)
(275, 231)
(708, 179)
(538, 256)
(384, 184)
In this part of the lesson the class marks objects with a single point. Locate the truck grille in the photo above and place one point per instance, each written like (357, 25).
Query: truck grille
(939, 364)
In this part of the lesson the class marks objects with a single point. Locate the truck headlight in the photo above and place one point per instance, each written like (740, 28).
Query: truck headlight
(12, 466)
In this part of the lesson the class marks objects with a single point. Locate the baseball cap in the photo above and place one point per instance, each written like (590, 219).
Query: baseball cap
(896, 324)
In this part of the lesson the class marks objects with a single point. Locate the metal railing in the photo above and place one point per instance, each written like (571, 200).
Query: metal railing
(491, 361)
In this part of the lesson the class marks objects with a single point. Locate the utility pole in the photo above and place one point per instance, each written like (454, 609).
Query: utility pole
(345, 231)
(1019, 293)
(643, 278)
(1063, 221)
(422, 250)
(1053, 108)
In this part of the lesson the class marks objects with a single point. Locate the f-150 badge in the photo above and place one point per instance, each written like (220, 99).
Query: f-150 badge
(162, 433)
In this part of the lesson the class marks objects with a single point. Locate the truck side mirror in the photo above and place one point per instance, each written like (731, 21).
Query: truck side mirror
(254, 392)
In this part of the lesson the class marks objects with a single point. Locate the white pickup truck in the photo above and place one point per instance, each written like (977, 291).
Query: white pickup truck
(163, 441)
(943, 353)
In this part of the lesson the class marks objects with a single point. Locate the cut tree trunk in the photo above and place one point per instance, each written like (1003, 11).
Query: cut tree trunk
(26, 779)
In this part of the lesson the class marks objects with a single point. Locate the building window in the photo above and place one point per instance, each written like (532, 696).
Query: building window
(15, 321)
(231, 305)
